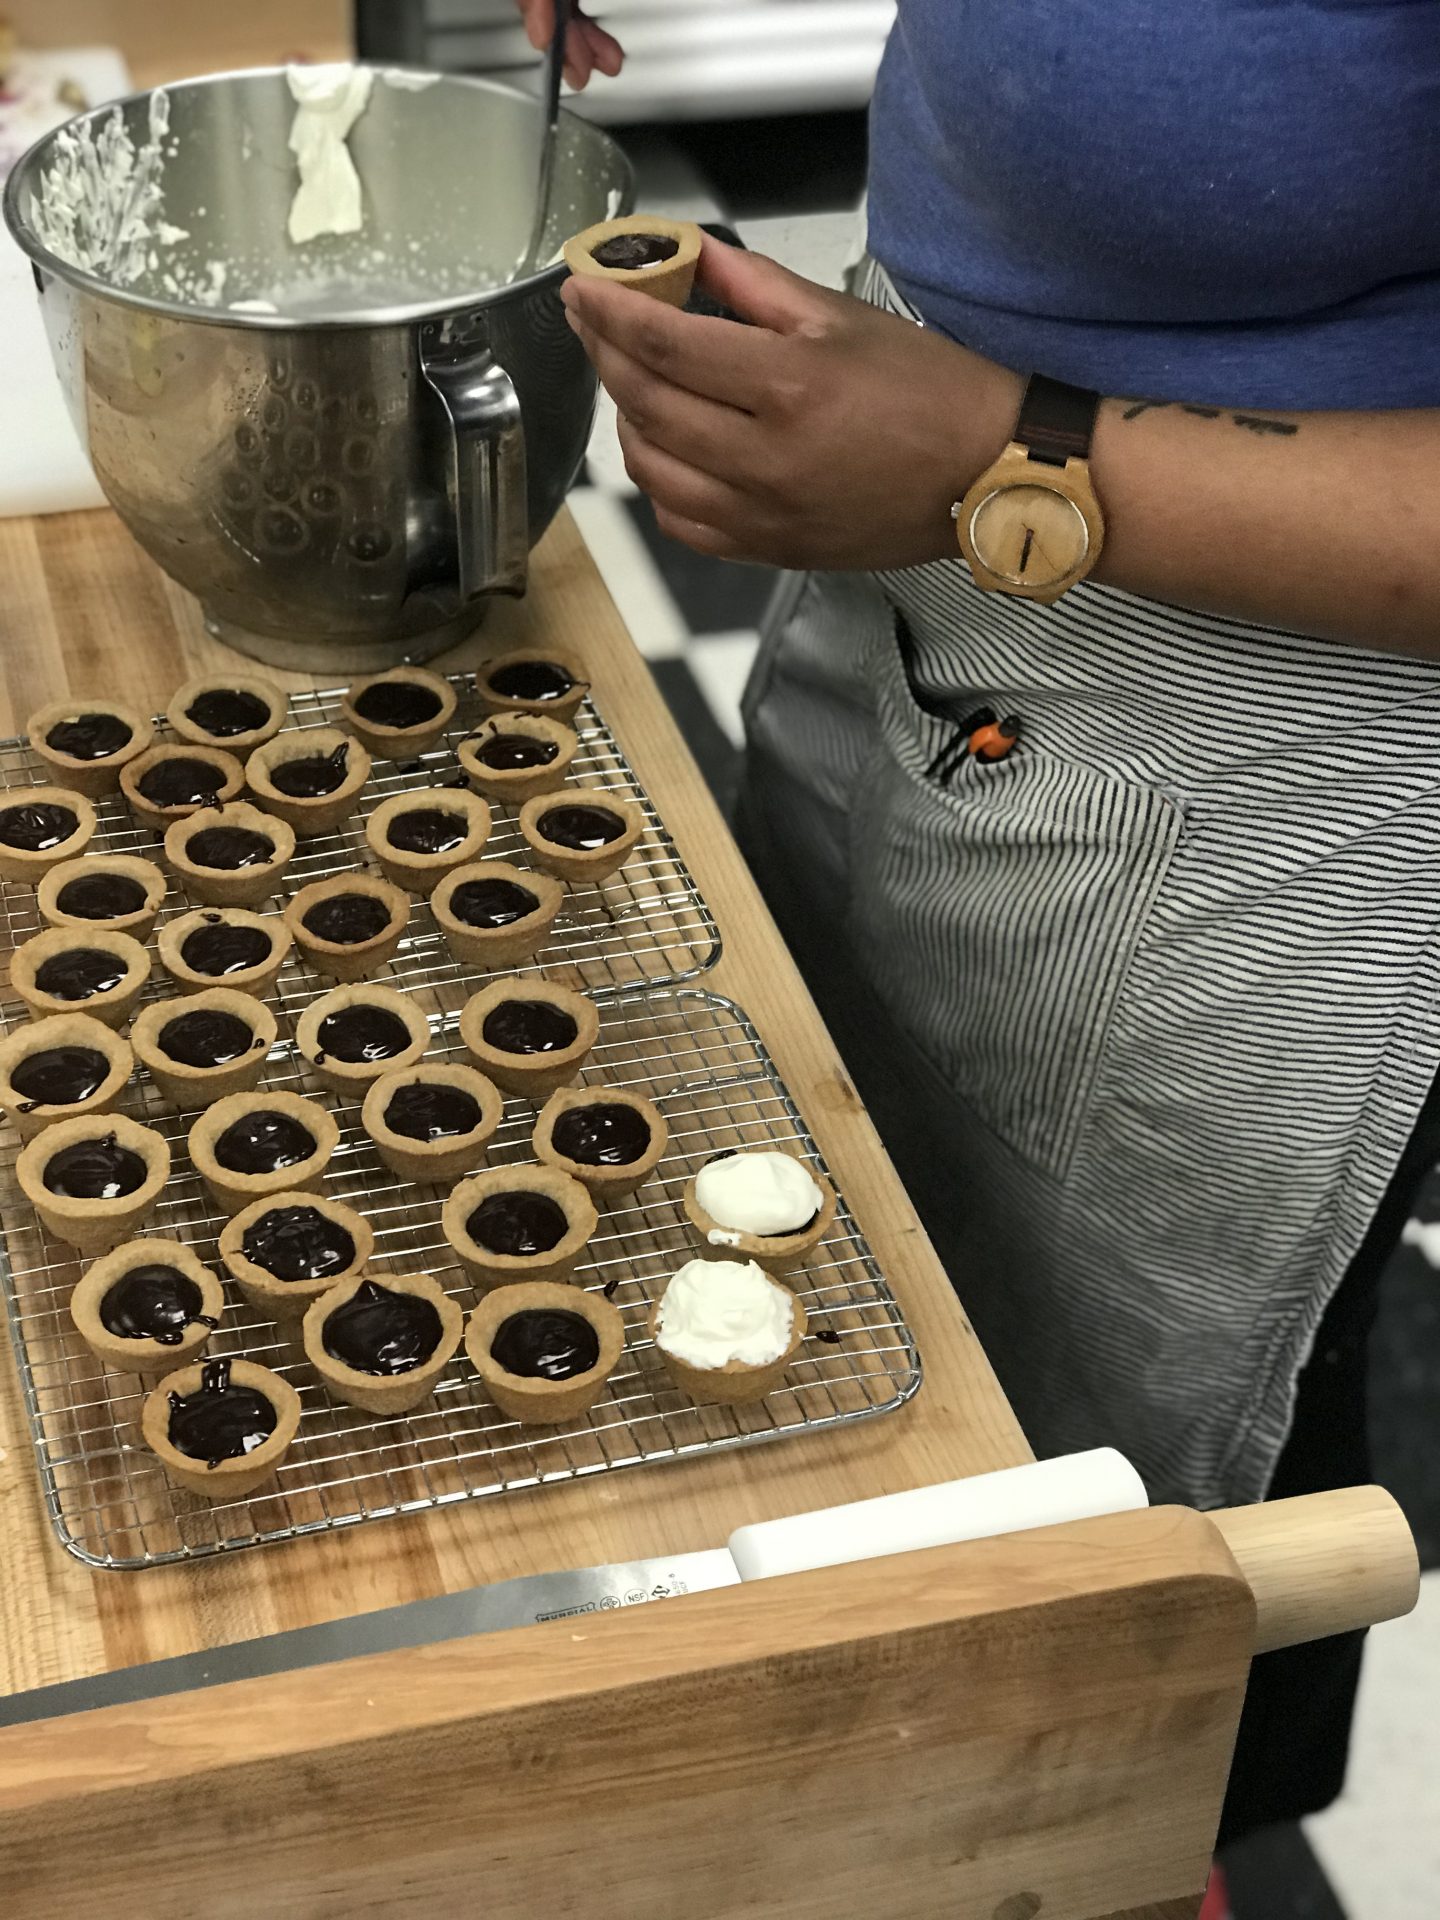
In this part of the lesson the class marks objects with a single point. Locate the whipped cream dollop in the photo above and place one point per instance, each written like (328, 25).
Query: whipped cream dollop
(759, 1192)
(716, 1311)
(328, 100)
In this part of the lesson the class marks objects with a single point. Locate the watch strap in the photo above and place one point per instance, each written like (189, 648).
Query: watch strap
(1056, 420)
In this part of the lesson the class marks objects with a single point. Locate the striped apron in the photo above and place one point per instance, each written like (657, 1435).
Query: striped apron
(1152, 1004)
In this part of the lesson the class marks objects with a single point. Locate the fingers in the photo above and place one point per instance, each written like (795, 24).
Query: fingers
(538, 17)
(760, 290)
(716, 438)
(588, 47)
(608, 53)
(696, 535)
(715, 358)
(678, 489)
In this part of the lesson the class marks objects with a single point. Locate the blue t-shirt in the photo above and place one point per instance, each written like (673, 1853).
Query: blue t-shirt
(1226, 201)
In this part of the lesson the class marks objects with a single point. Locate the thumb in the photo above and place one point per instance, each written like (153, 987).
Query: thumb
(758, 289)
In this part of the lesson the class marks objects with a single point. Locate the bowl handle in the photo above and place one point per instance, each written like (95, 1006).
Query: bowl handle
(486, 468)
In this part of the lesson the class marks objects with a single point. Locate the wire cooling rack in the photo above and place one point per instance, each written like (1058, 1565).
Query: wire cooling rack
(699, 1058)
(647, 925)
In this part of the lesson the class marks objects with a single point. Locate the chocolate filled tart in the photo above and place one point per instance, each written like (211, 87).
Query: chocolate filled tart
(419, 836)
(231, 855)
(58, 1069)
(431, 1122)
(39, 828)
(168, 783)
(149, 1304)
(65, 971)
(512, 756)
(220, 1428)
(205, 1047)
(381, 1341)
(353, 1034)
(585, 835)
(252, 1145)
(349, 926)
(116, 890)
(287, 1248)
(399, 713)
(529, 1036)
(228, 947)
(312, 778)
(608, 1138)
(501, 1222)
(531, 1326)
(777, 1253)
(235, 711)
(644, 251)
(542, 680)
(94, 1180)
(85, 743)
(494, 914)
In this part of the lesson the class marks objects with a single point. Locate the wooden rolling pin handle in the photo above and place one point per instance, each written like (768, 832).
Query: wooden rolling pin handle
(1325, 1563)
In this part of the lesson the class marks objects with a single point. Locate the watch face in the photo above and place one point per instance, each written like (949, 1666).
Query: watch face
(1029, 536)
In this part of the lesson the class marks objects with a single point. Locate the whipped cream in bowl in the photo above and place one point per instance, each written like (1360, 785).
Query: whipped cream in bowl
(726, 1330)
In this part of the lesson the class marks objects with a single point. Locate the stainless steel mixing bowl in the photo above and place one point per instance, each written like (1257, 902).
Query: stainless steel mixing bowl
(344, 484)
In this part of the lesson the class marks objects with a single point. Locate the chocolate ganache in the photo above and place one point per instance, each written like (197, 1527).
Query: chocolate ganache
(508, 752)
(59, 1076)
(36, 825)
(298, 1243)
(581, 828)
(429, 1110)
(263, 1142)
(546, 1343)
(101, 896)
(225, 711)
(153, 1303)
(627, 251)
(361, 1033)
(397, 703)
(518, 1224)
(78, 973)
(347, 919)
(219, 948)
(90, 736)
(206, 1037)
(95, 1170)
(229, 848)
(219, 1421)
(380, 1331)
(427, 830)
(180, 781)
(492, 902)
(607, 1134)
(531, 680)
(313, 777)
(528, 1026)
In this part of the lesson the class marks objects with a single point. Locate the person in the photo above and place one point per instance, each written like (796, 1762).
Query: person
(1121, 903)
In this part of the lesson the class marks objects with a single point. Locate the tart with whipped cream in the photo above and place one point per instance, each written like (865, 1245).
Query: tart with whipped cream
(380, 1341)
(494, 914)
(149, 1304)
(115, 890)
(530, 1036)
(726, 1331)
(544, 1351)
(646, 252)
(310, 778)
(432, 1122)
(582, 836)
(353, 1034)
(761, 1205)
(237, 712)
(287, 1248)
(512, 756)
(220, 1428)
(399, 713)
(84, 743)
(65, 970)
(168, 783)
(53, 1070)
(223, 947)
(607, 1138)
(253, 1145)
(205, 1047)
(349, 926)
(40, 827)
(94, 1181)
(419, 836)
(532, 680)
(518, 1223)
(230, 856)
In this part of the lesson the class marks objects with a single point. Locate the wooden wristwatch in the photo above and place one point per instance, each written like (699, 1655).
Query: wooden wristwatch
(1031, 524)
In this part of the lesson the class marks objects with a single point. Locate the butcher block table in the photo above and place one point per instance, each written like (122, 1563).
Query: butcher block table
(1036, 1725)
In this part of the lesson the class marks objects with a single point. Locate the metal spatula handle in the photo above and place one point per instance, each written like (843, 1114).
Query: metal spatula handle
(554, 74)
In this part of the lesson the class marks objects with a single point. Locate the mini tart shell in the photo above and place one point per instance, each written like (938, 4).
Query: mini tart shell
(65, 1030)
(564, 708)
(288, 1299)
(735, 1384)
(127, 866)
(399, 743)
(581, 864)
(533, 1076)
(239, 744)
(143, 1356)
(230, 1478)
(113, 1005)
(134, 771)
(432, 1161)
(92, 777)
(19, 863)
(94, 1226)
(361, 959)
(543, 1403)
(668, 280)
(419, 872)
(223, 886)
(777, 1253)
(234, 1190)
(327, 810)
(604, 1183)
(188, 1088)
(508, 1269)
(497, 946)
(256, 980)
(352, 1077)
(378, 1392)
(513, 784)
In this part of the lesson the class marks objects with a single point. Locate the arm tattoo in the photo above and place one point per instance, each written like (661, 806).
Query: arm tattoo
(1252, 422)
